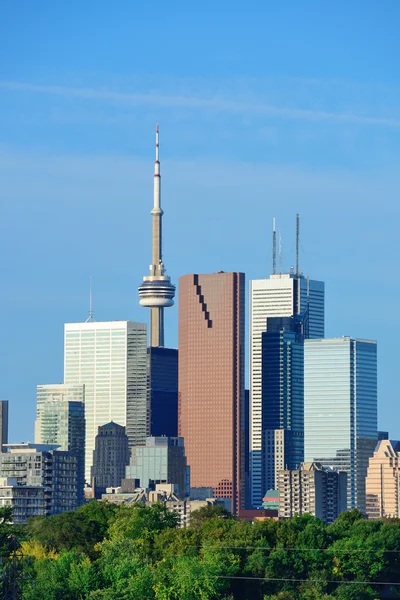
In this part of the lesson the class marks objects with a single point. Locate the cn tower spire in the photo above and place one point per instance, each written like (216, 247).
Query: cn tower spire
(157, 292)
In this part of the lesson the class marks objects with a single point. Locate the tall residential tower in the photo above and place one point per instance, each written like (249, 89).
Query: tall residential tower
(157, 292)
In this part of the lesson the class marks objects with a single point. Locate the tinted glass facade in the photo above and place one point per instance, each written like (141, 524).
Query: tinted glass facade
(340, 408)
(211, 381)
(60, 420)
(109, 358)
(282, 399)
(162, 364)
(282, 295)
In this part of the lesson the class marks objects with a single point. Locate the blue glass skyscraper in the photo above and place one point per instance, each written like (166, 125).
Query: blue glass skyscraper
(340, 408)
(282, 396)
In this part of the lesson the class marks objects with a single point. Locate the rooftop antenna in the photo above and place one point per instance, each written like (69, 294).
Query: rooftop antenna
(273, 246)
(90, 317)
(297, 242)
(280, 253)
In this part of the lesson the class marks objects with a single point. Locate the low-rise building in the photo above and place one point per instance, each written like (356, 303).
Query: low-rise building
(383, 481)
(312, 489)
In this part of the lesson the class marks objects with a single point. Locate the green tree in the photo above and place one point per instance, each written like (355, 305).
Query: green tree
(211, 511)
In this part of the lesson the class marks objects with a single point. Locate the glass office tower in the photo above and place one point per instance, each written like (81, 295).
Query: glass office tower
(340, 408)
(282, 397)
(60, 420)
(109, 358)
(280, 295)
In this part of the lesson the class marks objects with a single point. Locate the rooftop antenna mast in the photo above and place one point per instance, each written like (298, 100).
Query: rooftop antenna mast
(280, 253)
(90, 317)
(273, 246)
(297, 242)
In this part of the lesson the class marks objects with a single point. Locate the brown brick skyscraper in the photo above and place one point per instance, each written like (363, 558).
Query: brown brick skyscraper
(211, 381)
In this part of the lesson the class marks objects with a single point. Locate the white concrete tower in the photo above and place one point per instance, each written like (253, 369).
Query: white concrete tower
(157, 291)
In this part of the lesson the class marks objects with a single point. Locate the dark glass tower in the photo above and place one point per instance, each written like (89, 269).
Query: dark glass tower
(162, 373)
(282, 396)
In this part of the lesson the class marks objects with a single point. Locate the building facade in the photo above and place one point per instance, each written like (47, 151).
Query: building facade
(161, 460)
(383, 482)
(211, 413)
(25, 500)
(60, 420)
(282, 385)
(312, 489)
(110, 457)
(109, 359)
(162, 389)
(282, 295)
(43, 465)
(340, 408)
(3, 424)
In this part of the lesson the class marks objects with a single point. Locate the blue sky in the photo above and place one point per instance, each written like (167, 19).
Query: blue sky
(265, 109)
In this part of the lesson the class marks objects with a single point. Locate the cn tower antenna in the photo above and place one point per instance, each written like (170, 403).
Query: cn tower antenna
(273, 246)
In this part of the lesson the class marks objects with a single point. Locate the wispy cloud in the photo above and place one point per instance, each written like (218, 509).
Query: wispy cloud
(213, 103)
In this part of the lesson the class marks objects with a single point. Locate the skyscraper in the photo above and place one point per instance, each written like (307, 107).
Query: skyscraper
(157, 292)
(3, 424)
(109, 358)
(282, 397)
(162, 389)
(340, 408)
(211, 381)
(110, 457)
(60, 420)
(282, 295)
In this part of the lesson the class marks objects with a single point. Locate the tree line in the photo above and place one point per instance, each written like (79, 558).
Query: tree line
(107, 552)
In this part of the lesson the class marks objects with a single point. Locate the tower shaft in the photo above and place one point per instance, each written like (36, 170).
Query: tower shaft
(156, 291)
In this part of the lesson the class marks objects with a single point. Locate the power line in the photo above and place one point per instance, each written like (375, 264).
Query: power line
(333, 550)
(294, 580)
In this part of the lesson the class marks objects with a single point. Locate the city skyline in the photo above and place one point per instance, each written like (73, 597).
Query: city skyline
(244, 139)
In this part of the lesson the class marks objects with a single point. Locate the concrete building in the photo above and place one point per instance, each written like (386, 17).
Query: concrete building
(110, 457)
(312, 489)
(383, 481)
(109, 359)
(211, 382)
(282, 388)
(161, 461)
(157, 292)
(60, 420)
(3, 424)
(340, 408)
(162, 389)
(43, 465)
(25, 500)
(282, 295)
(162, 493)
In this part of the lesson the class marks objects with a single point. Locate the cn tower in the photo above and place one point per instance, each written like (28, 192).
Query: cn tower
(157, 292)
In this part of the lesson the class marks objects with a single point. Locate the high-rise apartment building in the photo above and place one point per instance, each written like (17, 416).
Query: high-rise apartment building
(43, 465)
(3, 424)
(109, 359)
(211, 382)
(26, 501)
(282, 295)
(60, 420)
(312, 489)
(383, 482)
(110, 457)
(282, 397)
(340, 408)
(162, 389)
(160, 460)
